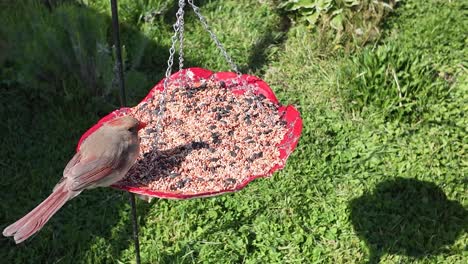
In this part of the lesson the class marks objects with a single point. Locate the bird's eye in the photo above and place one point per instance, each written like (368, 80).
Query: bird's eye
(132, 129)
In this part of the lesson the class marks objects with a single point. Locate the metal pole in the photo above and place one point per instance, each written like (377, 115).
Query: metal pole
(135, 227)
(118, 52)
(123, 102)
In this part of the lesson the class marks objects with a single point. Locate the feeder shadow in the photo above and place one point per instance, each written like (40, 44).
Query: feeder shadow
(407, 217)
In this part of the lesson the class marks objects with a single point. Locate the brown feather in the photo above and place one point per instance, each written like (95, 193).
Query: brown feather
(103, 159)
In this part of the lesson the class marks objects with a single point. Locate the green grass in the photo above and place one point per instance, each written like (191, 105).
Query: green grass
(375, 176)
(342, 24)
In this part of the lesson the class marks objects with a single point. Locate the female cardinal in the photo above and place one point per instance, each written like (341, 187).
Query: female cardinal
(102, 160)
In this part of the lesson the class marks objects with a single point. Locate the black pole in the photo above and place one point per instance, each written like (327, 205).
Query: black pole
(123, 102)
(118, 52)
(135, 227)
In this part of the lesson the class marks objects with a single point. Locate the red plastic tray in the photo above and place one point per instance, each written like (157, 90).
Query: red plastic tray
(288, 113)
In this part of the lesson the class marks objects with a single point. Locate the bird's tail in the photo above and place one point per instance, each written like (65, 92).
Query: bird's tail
(36, 219)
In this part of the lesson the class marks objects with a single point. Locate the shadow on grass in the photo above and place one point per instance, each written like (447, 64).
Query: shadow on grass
(407, 217)
(258, 56)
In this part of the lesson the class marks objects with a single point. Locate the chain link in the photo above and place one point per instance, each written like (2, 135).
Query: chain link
(220, 46)
(178, 28)
(180, 18)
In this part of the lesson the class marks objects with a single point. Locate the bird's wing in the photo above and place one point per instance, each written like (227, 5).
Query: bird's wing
(72, 163)
(76, 158)
(88, 171)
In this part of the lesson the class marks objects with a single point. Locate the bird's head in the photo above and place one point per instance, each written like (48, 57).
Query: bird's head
(127, 123)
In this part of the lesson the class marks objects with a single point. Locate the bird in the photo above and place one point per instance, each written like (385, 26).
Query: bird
(102, 159)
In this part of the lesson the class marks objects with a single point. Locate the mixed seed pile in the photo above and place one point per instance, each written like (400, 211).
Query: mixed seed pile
(210, 139)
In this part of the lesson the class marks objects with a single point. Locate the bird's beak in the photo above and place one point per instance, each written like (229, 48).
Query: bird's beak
(141, 125)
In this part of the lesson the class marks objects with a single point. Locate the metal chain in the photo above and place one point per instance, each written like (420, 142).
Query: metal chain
(220, 46)
(178, 25)
(181, 33)
(250, 88)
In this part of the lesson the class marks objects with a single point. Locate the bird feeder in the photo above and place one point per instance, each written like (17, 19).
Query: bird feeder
(220, 131)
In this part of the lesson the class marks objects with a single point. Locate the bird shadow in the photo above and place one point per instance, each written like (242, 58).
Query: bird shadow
(407, 217)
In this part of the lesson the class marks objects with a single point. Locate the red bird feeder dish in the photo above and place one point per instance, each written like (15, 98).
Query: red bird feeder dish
(219, 131)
